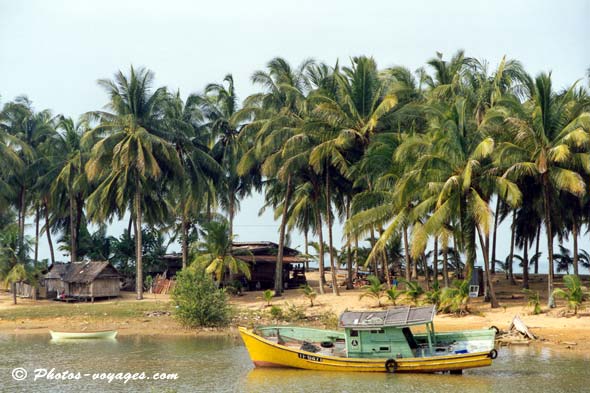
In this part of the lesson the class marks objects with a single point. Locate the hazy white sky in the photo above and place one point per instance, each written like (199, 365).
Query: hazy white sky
(54, 51)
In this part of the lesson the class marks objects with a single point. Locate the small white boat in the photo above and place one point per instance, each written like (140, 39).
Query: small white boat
(108, 334)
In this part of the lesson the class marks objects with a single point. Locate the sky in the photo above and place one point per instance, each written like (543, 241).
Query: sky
(54, 51)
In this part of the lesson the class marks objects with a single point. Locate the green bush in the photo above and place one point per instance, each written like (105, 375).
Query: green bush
(198, 301)
(276, 312)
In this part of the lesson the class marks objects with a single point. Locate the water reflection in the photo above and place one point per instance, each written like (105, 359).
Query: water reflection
(221, 364)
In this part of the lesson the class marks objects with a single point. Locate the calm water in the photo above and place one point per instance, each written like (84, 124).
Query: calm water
(222, 365)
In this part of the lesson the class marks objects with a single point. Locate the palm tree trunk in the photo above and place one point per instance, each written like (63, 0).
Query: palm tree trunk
(330, 244)
(486, 263)
(510, 272)
(23, 213)
(37, 214)
(184, 240)
(426, 272)
(407, 252)
(445, 265)
(279, 266)
(537, 249)
(348, 251)
(386, 269)
(138, 241)
(48, 230)
(356, 254)
(550, 300)
(375, 265)
(435, 260)
(13, 289)
(306, 246)
(525, 264)
(322, 279)
(575, 236)
(497, 211)
(231, 214)
(73, 251)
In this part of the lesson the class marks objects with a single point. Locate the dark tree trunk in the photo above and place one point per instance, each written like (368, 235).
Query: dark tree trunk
(407, 252)
(184, 240)
(435, 260)
(525, 265)
(486, 262)
(330, 244)
(386, 269)
(537, 249)
(426, 272)
(13, 289)
(510, 272)
(375, 263)
(348, 251)
(231, 214)
(279, 266)
(138, 245)
(48, 230)
(23, 214)
(306, 242)
(546, 203)
(445, 266)
(575, 236)
(37, 214)
(322, 279)
(497, 211)
(73, 251)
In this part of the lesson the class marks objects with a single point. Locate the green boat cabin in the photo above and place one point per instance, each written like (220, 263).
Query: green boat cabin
(387, 334)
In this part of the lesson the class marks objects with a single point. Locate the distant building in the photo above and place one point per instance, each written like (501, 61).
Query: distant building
(90, 280)
(262, 257)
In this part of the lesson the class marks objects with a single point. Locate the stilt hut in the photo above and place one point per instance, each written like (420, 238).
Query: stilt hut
(86, 280)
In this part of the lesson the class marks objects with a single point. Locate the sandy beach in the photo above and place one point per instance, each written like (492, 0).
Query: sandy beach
(557, 328)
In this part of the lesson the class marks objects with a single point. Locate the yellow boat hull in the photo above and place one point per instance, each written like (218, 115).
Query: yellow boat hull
(265, 353)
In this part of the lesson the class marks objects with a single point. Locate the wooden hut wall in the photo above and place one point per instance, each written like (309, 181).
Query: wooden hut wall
(105, 287)
(55, 286)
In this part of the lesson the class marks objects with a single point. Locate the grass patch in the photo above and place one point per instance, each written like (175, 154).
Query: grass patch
(112, 309)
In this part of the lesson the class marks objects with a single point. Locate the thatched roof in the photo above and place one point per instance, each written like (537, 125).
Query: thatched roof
(82, 272)
(57, 270)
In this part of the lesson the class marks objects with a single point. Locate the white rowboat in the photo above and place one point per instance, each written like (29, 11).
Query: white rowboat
(78, 335)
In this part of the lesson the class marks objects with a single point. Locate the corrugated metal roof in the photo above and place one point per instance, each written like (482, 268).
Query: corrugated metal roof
(399, 317)
(270, 258)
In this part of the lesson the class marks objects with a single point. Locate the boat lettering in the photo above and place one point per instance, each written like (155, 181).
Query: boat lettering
(309, 357)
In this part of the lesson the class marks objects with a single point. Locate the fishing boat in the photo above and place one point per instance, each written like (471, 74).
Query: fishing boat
(373, 341)
(102, 334)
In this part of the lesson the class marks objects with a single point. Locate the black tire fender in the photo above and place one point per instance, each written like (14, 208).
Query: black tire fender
(391, 366)
(493, 354)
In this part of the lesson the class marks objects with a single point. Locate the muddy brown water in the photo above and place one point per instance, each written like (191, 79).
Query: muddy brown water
(221, 364)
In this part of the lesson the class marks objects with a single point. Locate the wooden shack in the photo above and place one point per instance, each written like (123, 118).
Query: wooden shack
(262, 257)
(84, 280)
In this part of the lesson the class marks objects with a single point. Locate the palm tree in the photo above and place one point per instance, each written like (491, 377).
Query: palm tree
(131, 158)
(276, 114)
(220, 107)
(345, 123)
(214, 253)
(67, 180)
(191, 140)
(375, 289)
(25, 130)
(574, 293)
(547, 143)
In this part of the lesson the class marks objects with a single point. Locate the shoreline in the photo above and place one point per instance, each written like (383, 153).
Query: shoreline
(556, 328)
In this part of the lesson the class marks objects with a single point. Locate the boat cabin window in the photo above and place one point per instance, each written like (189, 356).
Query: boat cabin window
(377, 331)
(410, 338)
(354, 333)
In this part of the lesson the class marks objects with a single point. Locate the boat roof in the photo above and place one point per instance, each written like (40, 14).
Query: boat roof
(393, 317)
